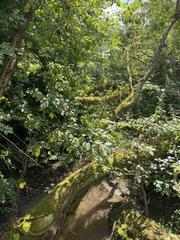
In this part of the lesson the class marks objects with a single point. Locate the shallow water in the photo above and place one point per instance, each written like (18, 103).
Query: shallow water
(90, 221)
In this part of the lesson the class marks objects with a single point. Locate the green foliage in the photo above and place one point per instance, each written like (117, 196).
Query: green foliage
(162, 176)
(8, 204)
(159, 174)
(78, 48)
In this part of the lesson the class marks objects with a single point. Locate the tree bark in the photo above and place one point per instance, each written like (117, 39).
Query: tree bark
(11, 61)
(119, 93)
(130, 79)
(35, 49)
(134, 95)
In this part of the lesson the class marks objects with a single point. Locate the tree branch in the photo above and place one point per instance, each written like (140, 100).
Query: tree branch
(129, 70)
(119, 93)
(133, 97)
(36, 51)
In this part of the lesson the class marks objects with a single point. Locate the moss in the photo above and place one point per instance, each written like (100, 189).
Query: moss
(120, 92)
(60, 201)
(126, 103)
(132, 225)
(67, 195)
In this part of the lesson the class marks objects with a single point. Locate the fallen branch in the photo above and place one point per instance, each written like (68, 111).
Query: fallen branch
(119, 93)
(113, 230)
(20, 150)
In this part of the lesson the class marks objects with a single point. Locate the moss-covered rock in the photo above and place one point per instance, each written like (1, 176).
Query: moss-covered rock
(50, 214)
(131, 225)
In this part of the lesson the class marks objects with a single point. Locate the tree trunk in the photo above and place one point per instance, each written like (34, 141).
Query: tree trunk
(133, 97)
(11, 62)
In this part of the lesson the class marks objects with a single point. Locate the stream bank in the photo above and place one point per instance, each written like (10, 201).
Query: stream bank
(48, 219)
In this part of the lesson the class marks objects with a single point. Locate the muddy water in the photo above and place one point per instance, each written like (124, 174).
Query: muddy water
(90, 221)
